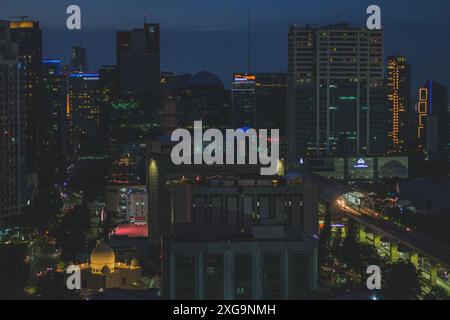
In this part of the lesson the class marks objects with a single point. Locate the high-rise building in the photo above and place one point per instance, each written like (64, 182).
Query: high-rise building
(433, 117)
(206, 99)
(268, 228)
(83, 110)
(106, 95)
(243, 100)
(399, 96)
(80, 59)
(337, 99)
(53, 113)
(271, 95)
(12, 126)
(138, 60)
(28, 36)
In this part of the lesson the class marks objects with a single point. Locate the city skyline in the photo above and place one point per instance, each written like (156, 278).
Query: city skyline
(134, 151)
(224, 37)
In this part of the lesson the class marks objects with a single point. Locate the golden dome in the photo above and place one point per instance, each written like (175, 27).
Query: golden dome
(102, 256)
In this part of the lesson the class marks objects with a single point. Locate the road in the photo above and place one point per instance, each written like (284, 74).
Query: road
(424, 245)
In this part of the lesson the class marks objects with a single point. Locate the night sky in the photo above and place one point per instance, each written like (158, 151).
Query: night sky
(212, 35)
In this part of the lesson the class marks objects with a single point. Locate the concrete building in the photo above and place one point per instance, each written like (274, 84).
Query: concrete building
(400, 137)
(241, 238)
(337, 98)
(433, 116)
(13, 126)
(28, 36)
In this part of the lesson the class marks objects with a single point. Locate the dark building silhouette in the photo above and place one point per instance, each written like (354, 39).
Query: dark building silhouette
(206, 99)
(243, 99)
(79, 61)
(433, 120)
(271, 99)
(138, 60)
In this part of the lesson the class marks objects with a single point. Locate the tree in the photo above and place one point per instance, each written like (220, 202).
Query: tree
(42, 213)
(72, 230)
(357, 257)
(401, 281)
(108, 225)
(53, 287)
(14, 271)
(437, 293)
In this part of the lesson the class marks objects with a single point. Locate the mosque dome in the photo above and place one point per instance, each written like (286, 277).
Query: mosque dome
(205, 78)
(102, 256)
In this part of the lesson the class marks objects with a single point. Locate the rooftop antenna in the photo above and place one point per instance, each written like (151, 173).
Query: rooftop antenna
(145, 18)
(249, 39)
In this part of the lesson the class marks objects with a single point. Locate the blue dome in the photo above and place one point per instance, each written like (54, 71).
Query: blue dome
(205, 78)
(294, 174)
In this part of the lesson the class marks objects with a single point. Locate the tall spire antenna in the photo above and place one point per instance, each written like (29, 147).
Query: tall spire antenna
(249, 39)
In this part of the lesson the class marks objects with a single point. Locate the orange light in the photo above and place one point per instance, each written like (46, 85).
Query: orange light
(67, 104)
(21, 24)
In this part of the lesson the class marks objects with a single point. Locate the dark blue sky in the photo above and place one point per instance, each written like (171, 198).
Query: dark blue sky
(211, 34)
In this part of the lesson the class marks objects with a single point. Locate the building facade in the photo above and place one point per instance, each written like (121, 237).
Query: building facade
(28, 35)
(53, 115)
(241, 238)
(399, 96)
(13, 136)
(336, 92)
(433, 128)
(138, 60)
(83, 111)
(243, 99)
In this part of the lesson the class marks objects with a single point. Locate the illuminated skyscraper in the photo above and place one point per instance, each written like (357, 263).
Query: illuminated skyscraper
(432, 130)
(12, 126)
(28, 36)
(83, 110)
(399, 86)
(336, 93)
(53, 116)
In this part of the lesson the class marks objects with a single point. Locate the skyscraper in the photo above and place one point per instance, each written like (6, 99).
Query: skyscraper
(28, 36)
(12, 126)
(271, 95)
(138, 60)
(83, 113)
(432, 130)
(80, 60)
(53, 115)
(243, 100)
(336, 93)
(399, 96)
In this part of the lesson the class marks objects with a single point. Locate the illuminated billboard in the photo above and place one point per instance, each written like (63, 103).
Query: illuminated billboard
(243, 78)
